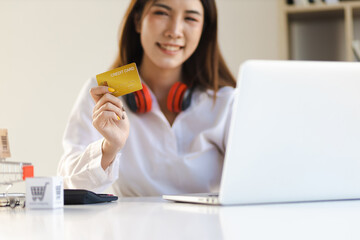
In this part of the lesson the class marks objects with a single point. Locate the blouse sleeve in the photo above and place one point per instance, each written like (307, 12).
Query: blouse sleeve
(80, 164)
(229, 116)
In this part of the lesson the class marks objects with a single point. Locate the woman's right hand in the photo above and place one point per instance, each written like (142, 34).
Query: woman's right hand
(109, 118)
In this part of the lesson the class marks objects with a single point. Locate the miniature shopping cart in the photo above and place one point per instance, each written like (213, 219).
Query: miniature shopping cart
(10, 173)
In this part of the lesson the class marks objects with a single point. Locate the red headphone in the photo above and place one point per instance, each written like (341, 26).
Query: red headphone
(179, 99)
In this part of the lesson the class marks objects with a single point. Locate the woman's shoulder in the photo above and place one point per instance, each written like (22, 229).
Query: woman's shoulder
(88, 84)
(84, 94)
(91, 82)
(223, 92)
(224, 95)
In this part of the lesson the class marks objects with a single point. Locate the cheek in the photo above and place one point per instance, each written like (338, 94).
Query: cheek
(147, 34)
(146, 27)
(198, 34)
(194, 37)
(152, 24)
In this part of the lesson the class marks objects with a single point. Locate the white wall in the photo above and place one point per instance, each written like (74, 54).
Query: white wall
(248, 29)
(48, 48)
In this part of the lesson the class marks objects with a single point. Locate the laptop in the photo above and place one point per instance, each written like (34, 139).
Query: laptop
(294, 135)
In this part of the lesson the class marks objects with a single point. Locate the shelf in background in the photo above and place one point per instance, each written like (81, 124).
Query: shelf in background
(313, 7)
(319, 31)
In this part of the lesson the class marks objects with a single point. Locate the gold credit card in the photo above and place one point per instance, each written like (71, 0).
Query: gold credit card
(124, 79)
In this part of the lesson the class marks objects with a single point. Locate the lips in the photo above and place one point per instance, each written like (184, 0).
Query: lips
(170, 47)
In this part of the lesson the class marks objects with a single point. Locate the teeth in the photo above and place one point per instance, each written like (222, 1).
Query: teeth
(170, 48)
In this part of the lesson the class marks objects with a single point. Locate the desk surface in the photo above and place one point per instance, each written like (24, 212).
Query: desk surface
(153, 218)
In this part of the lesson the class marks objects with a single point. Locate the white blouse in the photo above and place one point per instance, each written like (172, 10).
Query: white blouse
(157, 158)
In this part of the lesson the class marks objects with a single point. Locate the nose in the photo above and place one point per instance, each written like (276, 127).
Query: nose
(175, 29)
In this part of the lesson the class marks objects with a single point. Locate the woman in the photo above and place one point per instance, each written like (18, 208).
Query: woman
(166, 150)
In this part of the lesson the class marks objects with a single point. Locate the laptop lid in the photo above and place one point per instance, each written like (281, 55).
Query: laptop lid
(295, 133)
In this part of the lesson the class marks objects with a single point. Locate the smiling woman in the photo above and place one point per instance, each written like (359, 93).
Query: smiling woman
(178, 144)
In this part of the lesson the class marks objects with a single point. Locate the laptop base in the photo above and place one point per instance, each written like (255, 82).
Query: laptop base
(201, 198)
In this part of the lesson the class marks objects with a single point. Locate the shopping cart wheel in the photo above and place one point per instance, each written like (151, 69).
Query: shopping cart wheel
(12, 203)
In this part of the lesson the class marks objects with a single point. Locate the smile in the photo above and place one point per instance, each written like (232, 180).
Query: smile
(170, 47)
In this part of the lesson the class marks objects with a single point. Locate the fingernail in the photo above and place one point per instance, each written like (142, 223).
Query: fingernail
(123, 116)
(111, 89)
(118, 117)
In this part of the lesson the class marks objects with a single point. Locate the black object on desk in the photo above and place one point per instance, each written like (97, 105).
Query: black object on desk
(81, 196)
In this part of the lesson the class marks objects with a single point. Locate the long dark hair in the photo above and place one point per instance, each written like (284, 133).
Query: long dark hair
(206, 68)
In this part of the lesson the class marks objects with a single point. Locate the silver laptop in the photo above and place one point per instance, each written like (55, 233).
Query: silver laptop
(294, 135)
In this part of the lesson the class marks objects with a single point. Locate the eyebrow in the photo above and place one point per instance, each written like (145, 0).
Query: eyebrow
(169, 9)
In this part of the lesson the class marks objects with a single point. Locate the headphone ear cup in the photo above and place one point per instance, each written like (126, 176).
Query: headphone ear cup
(140, 101)
(175, 97)
(186, 99)
(131, 101)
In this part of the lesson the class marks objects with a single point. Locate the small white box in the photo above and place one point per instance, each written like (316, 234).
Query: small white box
(44, 192)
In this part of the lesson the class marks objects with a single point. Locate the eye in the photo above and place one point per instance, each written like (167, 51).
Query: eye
(191, 19)
(160, 13)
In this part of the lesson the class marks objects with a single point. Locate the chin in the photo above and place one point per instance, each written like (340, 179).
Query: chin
(169, 64)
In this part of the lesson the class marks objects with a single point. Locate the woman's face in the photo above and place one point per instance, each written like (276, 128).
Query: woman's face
(170, 31)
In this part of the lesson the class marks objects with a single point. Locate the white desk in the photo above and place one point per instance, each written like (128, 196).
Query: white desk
(152, 218)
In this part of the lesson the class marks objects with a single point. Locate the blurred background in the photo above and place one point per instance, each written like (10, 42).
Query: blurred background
(49, 48)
